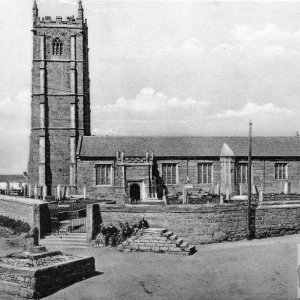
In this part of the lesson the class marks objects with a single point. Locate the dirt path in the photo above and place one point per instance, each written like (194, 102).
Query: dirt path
(259, 269)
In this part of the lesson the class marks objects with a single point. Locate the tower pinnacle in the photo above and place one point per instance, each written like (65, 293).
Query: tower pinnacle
(80, 10)
(35, 11)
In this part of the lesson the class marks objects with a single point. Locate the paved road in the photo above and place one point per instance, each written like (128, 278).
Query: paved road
(258, 269)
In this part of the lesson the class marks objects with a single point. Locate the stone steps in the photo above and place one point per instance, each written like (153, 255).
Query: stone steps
(70, 240)
(158, 240)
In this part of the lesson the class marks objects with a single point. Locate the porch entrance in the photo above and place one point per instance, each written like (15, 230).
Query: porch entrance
(135, 192)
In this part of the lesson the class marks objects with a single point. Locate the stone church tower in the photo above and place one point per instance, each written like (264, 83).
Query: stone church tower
(60, 107)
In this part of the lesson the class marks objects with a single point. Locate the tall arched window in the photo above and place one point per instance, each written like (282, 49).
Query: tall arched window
(57, 47)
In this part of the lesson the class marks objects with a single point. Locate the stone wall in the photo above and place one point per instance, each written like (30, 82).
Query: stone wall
(276, 220)
(33, 212)
(203, 224)
(197, 224)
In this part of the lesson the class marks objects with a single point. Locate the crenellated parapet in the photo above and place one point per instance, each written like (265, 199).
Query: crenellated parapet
(47, 21)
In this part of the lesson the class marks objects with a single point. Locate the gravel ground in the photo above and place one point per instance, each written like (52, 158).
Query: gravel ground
(258, 269)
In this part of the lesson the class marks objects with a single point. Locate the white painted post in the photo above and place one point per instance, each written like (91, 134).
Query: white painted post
(254, 189)
(221, 199)
(261, 196)
(241, 189)
(84, 192)
(227, 194)
(218, 189)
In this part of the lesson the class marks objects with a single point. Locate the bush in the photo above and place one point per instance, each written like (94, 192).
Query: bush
(16, 226)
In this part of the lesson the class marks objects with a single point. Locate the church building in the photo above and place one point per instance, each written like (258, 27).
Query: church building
(63, 152)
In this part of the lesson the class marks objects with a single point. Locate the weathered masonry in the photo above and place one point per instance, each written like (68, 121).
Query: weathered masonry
(149, 167)
(60, 98)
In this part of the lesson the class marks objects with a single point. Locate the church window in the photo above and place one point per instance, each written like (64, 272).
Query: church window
(242, 173)
(57, 47)
(169, 173)
(103, 174)
(205, 173)
(281, 171)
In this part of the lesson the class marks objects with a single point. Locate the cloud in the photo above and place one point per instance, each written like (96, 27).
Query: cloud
(151, 105)
(155, 113)
(253, 109)
(14, 132)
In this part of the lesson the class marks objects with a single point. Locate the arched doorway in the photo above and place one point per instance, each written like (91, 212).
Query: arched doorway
(135, 192)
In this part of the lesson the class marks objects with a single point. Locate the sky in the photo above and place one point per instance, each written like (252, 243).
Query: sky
(164, 68)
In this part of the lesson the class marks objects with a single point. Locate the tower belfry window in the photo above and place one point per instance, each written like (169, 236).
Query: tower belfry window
(57, 47)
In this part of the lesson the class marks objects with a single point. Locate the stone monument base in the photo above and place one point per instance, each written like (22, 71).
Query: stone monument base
(39, 273)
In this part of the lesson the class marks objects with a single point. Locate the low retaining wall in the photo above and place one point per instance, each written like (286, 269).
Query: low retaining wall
(195, 224)
(276, 220)
(202, 224)
(34, 212)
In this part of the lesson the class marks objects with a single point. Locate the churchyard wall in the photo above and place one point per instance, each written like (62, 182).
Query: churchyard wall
(33, 212)
(204, 224)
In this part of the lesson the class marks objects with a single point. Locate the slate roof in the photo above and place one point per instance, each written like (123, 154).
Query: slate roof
(105, 146)
(12, 178)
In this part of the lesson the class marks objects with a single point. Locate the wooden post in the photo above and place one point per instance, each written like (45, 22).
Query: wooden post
(221, 199)
(249, 182)
(241, 189)
(24, 191)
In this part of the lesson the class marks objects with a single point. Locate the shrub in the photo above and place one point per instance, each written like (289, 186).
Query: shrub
(16, 226)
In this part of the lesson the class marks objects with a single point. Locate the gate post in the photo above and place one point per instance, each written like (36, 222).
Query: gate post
(93, 221)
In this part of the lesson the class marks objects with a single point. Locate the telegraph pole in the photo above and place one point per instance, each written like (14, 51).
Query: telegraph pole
(249, 231)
